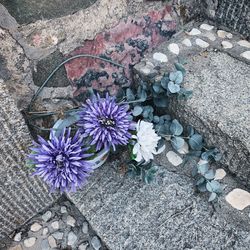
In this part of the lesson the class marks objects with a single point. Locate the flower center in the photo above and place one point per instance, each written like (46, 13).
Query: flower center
(60, 160)
(107, 122)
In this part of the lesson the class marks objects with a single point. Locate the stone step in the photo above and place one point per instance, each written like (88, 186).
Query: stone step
(217, 70)
(128, 214)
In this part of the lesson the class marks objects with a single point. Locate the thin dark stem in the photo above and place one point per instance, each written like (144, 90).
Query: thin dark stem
(60, 65)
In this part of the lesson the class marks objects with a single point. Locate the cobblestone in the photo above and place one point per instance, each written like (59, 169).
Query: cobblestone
(64, 232)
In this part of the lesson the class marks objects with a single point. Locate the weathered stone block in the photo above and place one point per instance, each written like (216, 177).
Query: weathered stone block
(26, 11)
(21, 195)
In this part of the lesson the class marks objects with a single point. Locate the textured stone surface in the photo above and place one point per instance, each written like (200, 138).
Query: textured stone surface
(21, 195)
(234, 14)
(26, 11)
(219, 108)
(128, 214)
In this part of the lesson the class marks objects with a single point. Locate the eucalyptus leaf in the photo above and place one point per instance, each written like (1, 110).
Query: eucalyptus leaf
(137, 110)
(173, 88)
(177, 142)
(212, 197)
(209, 175)
(176, 77)
(164, 82)
(213, 186)
(202, 187)
(180, 67)
(176, 128)
(202, 169)
(156, 119)
(200, 181)
(196, 142)
(130, 95)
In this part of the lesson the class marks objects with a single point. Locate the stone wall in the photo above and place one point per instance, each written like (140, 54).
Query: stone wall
(233, 14)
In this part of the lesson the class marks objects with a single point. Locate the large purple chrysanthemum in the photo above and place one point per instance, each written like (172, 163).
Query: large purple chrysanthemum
(105, 122)
(60, 161)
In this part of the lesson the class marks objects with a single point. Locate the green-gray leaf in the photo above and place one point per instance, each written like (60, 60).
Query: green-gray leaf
(176, 128)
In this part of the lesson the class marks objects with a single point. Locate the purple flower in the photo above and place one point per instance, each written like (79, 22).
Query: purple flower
(105, 122)
(60, 161)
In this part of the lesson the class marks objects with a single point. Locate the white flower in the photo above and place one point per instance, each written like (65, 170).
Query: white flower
(147, 141)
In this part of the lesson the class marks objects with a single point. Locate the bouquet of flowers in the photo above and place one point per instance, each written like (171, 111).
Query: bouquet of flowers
(81, 141)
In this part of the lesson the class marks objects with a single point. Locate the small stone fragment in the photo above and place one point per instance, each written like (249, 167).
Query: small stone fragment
(201, 43)
(158, 56)
(238, 198)
(224, 34)
(17, 247)
(35, 227)
(47, 216)
(71, 221)
(52, 242)
(244, 43)
(184, 149)
(187, 42)
(174, 48)
(85, 227)
(210, 36)
(226, 45)
(45, 245)
(71, 238)
(220, 174)
(45, 231)
(173, 158)
(246, 54)
(146, 70)
(194, 32)
(55, 225)
(207, 27)
(96, 243)
(58, 235)
(29, 242)
(18, 237)
(83, 246)
(63, 210)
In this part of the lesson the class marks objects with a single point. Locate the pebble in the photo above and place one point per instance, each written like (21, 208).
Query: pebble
(246, 54)
(29, 242)
(201, 43)
(238, 198)
(194, 32)
(45, 231)
(173, 158)
(244, 43)
(226, 45)
(187, 42)
(58, 235)
(71, 221)
(85, 227)
(96, 243)
(45, 245)
(210, 36)
(47, 216)
(18, 237)
(146, 70)
(83, 246)
(71, 238)
(224, 34)
(174, 48)
(55, 225)
(207, 27)
(35, 227)
(158, 56)
(52, 242)
(63, 210)
(220, 173)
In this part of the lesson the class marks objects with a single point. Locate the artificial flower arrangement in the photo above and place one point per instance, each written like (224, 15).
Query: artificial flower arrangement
(81, 141)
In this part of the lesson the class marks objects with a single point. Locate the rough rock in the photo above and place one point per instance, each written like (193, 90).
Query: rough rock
(21, 195)
(35, 227)
(128, 214)
(25, 11)
(217, 110)
(29, 242)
